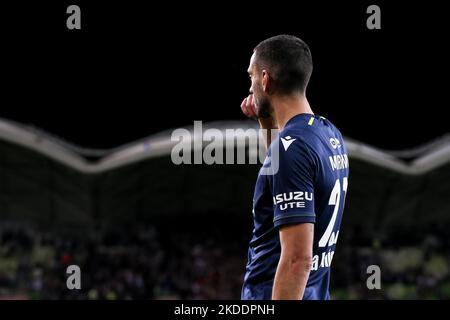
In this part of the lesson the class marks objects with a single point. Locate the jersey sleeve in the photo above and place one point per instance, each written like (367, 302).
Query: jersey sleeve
(293, 183)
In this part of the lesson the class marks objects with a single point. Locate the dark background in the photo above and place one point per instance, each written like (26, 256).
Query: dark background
(137, 69)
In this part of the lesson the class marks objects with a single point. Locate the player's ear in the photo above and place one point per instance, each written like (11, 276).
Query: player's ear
(266, 81)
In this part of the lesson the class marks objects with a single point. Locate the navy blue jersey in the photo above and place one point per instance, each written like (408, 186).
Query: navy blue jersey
(303, 180)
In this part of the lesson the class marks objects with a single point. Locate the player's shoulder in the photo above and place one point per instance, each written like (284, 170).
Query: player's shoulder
(297, 143)
(311, 133)
(301, 129)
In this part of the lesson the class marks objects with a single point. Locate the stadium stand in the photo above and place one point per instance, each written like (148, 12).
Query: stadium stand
(141, 227)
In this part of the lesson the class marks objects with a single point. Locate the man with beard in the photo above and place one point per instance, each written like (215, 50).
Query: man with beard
(298, 206)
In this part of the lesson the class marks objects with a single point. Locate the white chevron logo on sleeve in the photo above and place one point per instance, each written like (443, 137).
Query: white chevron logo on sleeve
(287, 142)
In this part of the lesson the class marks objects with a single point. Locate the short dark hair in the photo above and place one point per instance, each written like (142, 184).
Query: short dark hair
(288, 60)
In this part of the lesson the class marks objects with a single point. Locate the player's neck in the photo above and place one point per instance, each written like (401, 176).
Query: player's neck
(286, 107)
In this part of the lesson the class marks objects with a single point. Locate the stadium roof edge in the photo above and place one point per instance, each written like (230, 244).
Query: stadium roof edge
(429, 156)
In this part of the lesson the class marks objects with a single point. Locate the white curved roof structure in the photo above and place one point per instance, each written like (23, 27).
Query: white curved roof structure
(423, 159)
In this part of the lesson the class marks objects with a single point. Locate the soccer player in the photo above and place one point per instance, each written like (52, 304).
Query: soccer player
(297, 209)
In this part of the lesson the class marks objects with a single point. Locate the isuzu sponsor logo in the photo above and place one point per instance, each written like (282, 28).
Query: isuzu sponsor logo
(290, 200)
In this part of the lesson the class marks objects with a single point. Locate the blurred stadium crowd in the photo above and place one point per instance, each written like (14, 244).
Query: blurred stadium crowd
(154, 263)
(149, 229)
(120, 264)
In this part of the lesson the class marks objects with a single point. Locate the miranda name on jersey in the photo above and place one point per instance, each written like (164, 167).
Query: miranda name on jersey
(339, 162)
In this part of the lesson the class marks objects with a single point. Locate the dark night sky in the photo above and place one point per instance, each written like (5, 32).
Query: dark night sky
(134, 70)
